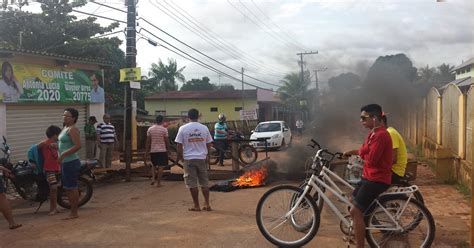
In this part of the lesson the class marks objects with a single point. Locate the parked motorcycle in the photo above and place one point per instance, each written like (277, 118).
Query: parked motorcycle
(247, 153)
(33, 187)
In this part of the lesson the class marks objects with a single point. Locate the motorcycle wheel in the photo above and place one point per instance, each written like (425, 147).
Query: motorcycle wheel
(247, 154)
(214, 156)
(85, 193)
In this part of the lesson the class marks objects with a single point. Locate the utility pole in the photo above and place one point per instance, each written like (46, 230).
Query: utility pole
(242, 88)
(131, 59)
(301, 61)
(21, 38)
(316, 105)
(301, 64)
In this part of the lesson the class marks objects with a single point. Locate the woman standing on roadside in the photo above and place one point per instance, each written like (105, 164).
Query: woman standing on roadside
(69, 143)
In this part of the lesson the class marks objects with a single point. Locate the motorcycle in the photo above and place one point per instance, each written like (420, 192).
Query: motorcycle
(32, 186)
(247, 153)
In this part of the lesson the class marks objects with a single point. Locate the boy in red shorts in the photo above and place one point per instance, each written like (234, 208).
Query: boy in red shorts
(51, 166)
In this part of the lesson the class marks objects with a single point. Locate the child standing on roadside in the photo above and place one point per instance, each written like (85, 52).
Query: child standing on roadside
(51, 166)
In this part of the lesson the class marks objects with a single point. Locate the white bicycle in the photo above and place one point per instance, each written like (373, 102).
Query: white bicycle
(288, 216)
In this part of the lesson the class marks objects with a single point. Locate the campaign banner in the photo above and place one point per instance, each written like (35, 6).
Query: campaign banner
(33, 83)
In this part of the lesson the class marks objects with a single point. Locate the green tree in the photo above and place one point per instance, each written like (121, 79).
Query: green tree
(426, 75)
(294, 91)
(344, 82)
(163, 77)
(225, 87)
(444, 73)
(56, 30)
(198, 84)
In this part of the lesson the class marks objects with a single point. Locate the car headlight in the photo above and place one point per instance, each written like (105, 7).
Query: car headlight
(275, 136)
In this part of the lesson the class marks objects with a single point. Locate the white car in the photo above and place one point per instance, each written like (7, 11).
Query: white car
(277, 132)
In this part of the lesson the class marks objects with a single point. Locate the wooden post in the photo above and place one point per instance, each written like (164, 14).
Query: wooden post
(235, 156)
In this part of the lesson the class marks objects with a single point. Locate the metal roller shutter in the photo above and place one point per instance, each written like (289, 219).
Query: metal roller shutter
(26, 125)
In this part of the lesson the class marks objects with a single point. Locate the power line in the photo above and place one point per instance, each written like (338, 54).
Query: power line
(110, 7)
(199, 61)
(216, 37)
(99, 16)
(205, 55)
(181, 43)
(254, 22)
(197, 32)
(268, 27)
(276, 25)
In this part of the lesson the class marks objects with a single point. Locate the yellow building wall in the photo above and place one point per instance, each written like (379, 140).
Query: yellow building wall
(181, 107)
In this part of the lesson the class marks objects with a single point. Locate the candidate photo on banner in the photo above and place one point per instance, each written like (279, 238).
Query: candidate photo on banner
(97, 91)
(10, 88)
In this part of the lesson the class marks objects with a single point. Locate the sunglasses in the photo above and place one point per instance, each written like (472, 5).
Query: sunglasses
(365, 117)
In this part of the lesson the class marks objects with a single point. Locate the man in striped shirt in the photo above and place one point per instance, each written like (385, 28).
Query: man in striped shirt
(106, 139)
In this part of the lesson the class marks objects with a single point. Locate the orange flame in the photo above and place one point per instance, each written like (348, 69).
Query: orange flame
(252, 178)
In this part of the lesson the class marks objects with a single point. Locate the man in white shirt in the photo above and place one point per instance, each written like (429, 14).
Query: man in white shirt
(193, 142)
(299, 127)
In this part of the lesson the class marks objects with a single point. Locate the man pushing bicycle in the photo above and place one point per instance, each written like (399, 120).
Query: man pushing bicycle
(377, 172)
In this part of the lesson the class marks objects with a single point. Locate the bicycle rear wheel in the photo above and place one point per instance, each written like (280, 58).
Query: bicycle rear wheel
(281, 228)
(417, 224)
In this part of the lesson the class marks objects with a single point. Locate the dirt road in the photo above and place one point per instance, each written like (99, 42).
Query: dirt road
(134, 214)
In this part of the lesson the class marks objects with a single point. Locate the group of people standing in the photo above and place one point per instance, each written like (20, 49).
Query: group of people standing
(103, 136)
(57, 159)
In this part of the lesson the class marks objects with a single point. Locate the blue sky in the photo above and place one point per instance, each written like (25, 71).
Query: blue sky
(264, 36)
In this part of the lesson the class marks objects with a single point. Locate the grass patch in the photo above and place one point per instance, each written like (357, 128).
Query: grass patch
(416, 150)
(464, 190)
(463, 244)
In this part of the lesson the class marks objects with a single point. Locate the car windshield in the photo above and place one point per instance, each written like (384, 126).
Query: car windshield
(268, 127)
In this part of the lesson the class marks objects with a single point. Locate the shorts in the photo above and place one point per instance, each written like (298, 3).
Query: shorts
(195, 173)
(159, 158)
(53, 178)
(70, 173)
(396, 179)
(2, 186)
(366, 192)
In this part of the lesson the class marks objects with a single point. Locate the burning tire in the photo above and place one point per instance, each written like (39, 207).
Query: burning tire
(285, 230)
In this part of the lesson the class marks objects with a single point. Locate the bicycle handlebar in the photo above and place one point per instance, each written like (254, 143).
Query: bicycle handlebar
(315, 144)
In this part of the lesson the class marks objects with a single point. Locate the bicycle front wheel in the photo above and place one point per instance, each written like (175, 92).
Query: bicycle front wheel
(279, 224)
(415, 228)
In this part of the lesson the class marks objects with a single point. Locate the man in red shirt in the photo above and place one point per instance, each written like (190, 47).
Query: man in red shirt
(377, 173)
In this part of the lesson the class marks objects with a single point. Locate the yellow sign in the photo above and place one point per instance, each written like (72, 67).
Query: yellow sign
(130, 74)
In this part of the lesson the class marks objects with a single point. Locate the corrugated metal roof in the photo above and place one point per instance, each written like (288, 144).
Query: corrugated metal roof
(456, 82)
(464, 64)
(54, 56)
(463, 84)
(205, 94)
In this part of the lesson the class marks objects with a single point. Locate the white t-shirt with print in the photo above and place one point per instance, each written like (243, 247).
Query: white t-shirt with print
(194, 136)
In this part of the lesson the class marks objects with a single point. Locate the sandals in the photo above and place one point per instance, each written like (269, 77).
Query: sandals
(194, 209)
(208, 208)
(15, 226)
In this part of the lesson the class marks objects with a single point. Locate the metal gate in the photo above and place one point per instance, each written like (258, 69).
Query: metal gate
(26, 125)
